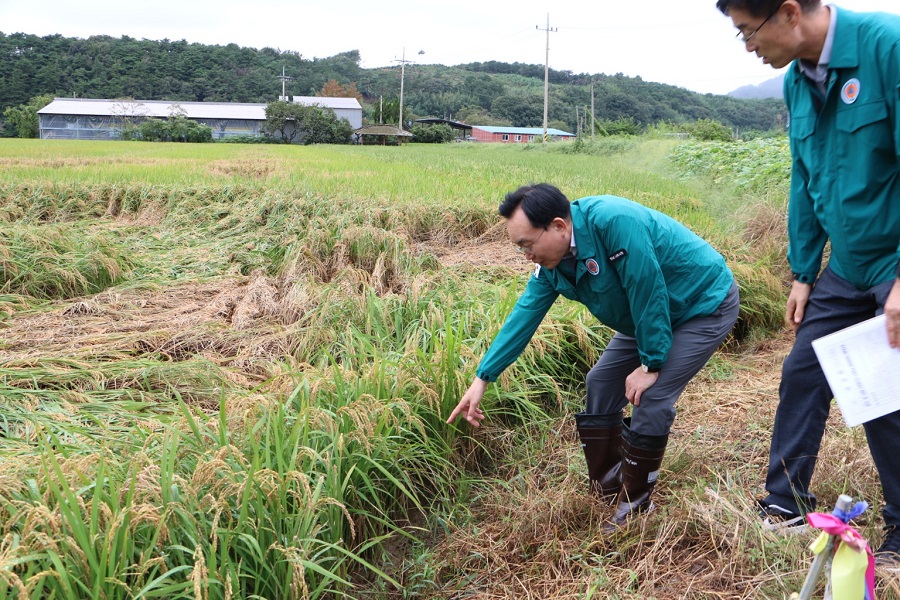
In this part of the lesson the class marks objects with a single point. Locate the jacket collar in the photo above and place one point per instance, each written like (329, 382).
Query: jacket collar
(845, 53)
(584, 241)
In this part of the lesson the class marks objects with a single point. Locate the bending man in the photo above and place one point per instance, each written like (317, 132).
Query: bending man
(664, 290)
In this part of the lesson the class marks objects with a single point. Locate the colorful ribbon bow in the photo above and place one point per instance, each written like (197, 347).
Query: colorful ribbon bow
(853, 565)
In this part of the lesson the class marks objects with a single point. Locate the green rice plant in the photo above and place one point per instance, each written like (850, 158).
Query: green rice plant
(128, 378)
(51, 202)
(314, 490)
(52, 261)
(283, 517)
(763, 296)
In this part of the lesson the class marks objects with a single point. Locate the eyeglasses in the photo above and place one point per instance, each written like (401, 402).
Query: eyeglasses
(740, 34)
(524, 249)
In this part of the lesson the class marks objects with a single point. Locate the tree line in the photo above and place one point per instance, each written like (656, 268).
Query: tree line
(488, 93)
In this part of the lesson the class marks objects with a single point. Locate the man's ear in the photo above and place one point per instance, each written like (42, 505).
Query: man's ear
(792, 12)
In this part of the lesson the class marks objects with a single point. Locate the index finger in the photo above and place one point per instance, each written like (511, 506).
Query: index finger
(455, 413)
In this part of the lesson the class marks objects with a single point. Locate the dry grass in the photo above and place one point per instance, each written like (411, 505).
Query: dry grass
(492, 248)
(233, 323)
(254, 168)
(539, 535)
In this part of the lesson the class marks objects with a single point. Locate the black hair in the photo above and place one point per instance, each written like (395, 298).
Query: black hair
(541, 203)
(762, 8)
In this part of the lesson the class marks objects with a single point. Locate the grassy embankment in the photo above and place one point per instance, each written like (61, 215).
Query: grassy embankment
(224, 372)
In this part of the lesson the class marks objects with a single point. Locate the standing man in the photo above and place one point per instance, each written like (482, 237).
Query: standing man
(843, 94)
(667, 293)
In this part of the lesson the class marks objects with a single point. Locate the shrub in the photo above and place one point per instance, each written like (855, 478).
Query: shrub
(432, 134)
(174, 129)
(709, 130)
(247, 139)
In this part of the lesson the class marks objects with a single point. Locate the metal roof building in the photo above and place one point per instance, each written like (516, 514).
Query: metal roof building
(485, 133)
(90, 119)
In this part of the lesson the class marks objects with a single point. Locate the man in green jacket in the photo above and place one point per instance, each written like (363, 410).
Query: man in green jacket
(843, 94)
(664, 290)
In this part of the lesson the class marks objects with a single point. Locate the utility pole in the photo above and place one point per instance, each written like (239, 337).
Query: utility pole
(402, 62)
(283, 78)
(592, 110)
(546, 73)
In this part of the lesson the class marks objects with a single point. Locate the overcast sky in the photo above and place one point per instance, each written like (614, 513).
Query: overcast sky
(687, 43)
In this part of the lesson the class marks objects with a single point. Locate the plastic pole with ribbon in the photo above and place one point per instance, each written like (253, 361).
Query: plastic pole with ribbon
(852, 572)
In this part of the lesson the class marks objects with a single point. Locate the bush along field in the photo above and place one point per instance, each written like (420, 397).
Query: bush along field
(225, 371)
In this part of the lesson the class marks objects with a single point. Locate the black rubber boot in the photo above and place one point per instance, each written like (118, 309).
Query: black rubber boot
(642, 457)
(601, 441)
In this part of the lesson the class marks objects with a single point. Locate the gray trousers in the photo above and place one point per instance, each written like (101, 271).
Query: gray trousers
(693, 343)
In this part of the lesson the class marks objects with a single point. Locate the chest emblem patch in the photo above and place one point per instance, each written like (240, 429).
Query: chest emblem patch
(592, 267)
(850, 91)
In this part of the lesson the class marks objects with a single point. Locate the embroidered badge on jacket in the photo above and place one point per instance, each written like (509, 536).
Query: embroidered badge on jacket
(592, 267)
(850, 91)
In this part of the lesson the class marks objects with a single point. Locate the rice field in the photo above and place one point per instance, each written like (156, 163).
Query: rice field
(225, 370)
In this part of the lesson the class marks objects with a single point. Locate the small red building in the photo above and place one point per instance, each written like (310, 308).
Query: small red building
(484, 133)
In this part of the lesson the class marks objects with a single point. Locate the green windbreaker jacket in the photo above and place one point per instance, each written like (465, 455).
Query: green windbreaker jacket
(637, 270)
(844, 147)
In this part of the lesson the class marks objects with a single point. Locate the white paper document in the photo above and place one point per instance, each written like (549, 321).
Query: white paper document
(862, 370)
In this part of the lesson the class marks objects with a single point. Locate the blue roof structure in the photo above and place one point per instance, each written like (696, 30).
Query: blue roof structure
(523, 130)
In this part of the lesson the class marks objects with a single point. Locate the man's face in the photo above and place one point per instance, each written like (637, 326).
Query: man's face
(773, 39)
(545, 247)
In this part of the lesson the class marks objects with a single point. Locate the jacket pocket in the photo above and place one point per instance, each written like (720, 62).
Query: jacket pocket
(801, 127)
(854, 117)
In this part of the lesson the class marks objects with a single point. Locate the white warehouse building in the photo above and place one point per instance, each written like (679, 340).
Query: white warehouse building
(89, 119)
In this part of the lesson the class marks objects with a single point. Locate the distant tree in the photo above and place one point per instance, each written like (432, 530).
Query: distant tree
(709, 130)
(333, 89)
(623, 126)
(174, 129)
(482, 88)
(621, 105)
(281, 119)
(386, 112)
(306, 124)
(432, 134)
(561, 125)
(525, 110)
(24, 119)
(322, 126)
(475, 115)
(154, 130)
(130, 113)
